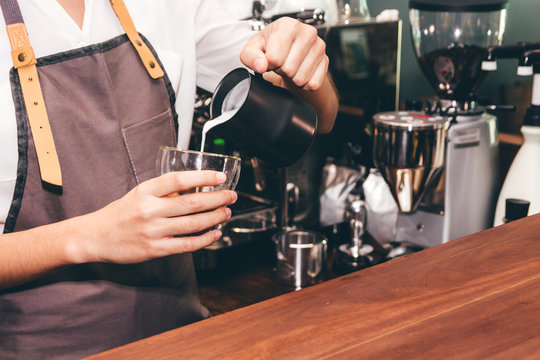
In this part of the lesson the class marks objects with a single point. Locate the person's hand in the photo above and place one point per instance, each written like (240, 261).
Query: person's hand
(292, 50)
(147, 223)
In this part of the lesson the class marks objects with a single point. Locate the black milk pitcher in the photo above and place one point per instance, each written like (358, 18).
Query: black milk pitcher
(269, 122)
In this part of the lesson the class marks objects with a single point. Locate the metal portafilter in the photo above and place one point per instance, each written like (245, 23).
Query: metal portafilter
(409, 151)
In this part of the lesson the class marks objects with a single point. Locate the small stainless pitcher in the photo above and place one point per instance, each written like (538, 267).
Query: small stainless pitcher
(301, 257)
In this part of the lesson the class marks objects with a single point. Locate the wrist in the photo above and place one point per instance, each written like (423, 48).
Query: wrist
(74, 233)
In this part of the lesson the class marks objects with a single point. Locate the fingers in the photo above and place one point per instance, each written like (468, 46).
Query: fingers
(176, 245)
(284, 41)
(194, 223)
(303, 53)
(253, 54)
(196, 203)
(316, 80)
(310, 73)
(181, 181)
(291, 49)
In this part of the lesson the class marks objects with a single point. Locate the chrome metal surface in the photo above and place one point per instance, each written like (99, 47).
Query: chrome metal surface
(356, 215)
(409, 150)
(301, 257)
(355, 255)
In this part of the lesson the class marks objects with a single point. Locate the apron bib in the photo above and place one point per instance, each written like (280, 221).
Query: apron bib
(108, 117)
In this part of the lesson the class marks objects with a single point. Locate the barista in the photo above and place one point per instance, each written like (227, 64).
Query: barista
(93, 262)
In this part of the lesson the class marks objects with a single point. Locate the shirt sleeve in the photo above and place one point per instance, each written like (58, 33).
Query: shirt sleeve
(219, 40)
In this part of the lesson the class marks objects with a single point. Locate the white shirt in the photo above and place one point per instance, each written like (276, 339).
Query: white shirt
(197, 41)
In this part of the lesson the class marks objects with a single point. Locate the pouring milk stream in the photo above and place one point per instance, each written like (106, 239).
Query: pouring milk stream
(232, 102)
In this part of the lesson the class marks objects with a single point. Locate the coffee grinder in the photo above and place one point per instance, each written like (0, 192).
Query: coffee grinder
(441, 163)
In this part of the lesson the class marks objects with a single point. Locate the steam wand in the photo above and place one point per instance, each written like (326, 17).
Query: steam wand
(514, 51)
(528, 54)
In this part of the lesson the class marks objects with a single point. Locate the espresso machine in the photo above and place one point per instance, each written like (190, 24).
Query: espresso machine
(441, 162)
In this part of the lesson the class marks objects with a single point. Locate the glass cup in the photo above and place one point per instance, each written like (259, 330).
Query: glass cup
(173, 159)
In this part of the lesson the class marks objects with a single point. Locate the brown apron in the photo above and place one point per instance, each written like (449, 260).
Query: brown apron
(108, 118)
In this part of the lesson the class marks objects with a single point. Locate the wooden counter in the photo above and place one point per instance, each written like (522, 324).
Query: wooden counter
(475, 297)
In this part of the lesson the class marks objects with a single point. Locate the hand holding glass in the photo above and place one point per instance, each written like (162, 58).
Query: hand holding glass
(173, 159)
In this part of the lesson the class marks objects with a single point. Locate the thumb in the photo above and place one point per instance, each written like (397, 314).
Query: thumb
(253, 55)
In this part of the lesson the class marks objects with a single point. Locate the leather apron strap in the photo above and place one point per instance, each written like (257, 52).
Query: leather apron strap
(24, 61)
(148, 59)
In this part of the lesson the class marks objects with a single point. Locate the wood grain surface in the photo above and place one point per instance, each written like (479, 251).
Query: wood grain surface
(475, 297)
